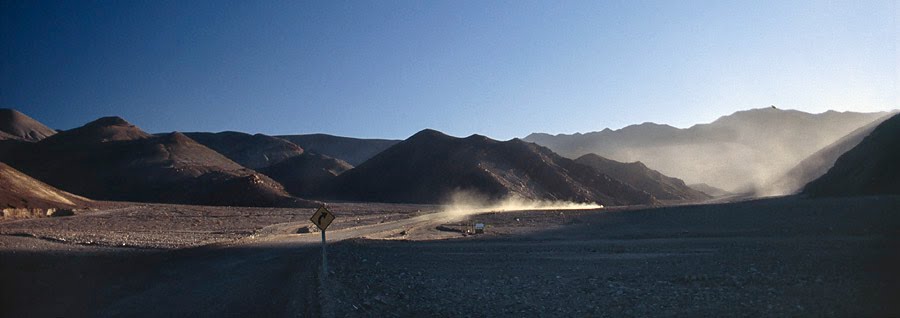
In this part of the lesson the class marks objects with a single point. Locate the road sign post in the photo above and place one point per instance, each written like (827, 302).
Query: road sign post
(322, 219)
(324, 257)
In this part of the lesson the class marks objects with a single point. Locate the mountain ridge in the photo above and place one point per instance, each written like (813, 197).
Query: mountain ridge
(430, 166)
(736, 152)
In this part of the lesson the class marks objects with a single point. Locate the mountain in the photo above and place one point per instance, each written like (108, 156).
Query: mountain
(741, 151)
(352, 150)
(251, 151)
(306, 174)
(18, 190)
(637, 175)
(709, 190)
(111, 159)
(16, 125)
(819, 162)
(429, 167)
(6, 136)
(870, 168)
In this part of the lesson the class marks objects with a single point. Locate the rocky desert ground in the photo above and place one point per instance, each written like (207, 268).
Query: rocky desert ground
(785, 256)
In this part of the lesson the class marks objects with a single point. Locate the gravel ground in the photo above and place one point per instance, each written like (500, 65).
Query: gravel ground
(179, 226)
(779, 257)
(773, 257)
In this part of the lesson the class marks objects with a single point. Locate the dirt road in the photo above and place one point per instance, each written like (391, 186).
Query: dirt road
(776, 257)
(275, 276)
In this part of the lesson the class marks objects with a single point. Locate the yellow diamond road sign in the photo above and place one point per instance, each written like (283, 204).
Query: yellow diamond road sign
(322, 218)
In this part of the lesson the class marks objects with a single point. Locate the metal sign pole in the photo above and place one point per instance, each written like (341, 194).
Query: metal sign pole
(322, 218)
(324, 257)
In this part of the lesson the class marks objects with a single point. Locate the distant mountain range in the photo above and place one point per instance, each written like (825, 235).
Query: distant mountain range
(354, 151)
(819, 162)
(111, 159)
(872, 167)
(301, 172)
(430, 166)
(739, 152)
(637, 175)
(306, 174)
(251, 151)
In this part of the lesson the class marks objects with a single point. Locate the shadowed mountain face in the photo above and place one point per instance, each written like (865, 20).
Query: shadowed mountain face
(739, 152)
(637, 175)
(306, 174)
(709, 190)
(819, 162)
(430, 166)
(251, 151)
(352, 150)
(15, 125)
(870, 168)
(18, 190)
(110, 159)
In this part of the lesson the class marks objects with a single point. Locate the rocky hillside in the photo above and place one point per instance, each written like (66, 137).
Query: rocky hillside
(251, 151)
(111, 159)
(738, 152)
(20, 191)
(818, 163)
(637, 175)
(352, 150)
(430, 166)
(306, 174)
(16, 125)
(870, 168)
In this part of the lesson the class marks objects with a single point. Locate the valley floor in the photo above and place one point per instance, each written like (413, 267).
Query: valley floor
(774, 257)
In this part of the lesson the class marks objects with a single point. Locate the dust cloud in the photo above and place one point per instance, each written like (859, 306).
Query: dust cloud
(461, 204)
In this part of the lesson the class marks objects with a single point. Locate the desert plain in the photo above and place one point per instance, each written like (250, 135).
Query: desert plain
(783, 256)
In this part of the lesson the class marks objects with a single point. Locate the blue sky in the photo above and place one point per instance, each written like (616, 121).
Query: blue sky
(390, 68)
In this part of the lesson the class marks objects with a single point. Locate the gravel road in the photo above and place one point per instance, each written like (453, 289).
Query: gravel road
(774, 257)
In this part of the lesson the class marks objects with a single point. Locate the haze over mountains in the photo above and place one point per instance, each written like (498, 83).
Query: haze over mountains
(819, 162)
(739, 152)
(639, 176)
(872, 167)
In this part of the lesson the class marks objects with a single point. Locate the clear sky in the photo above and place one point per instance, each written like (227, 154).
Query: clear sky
(390, 68)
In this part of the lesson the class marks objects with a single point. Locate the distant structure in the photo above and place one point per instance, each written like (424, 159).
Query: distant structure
(773, 107)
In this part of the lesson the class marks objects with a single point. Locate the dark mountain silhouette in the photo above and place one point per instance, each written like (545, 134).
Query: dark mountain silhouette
(352, 150)
(430, 166)
(15, 125)
(637, 175)
(18, 190)
(103, 130)
(870, 168)
(736, 152)
(306, 174)
(251, 151)
(709, 190)
(111, 159)
(819, 162)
